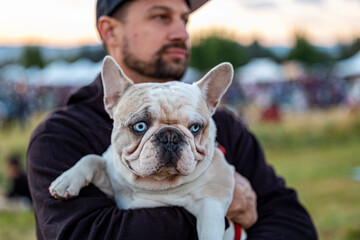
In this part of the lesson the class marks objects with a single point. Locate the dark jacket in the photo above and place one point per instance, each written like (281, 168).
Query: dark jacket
(83, 127)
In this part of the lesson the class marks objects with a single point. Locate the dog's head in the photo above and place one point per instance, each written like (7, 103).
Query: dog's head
(163, 130)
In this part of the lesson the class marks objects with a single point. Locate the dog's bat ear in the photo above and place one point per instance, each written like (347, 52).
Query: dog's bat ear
(215, 83)
(115, 83)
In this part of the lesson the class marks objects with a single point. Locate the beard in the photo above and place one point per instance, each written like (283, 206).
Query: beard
(157, 67)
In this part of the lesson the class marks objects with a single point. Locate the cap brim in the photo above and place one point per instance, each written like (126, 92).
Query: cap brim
(195, 4)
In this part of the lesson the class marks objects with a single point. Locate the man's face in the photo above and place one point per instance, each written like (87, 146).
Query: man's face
(154, 41)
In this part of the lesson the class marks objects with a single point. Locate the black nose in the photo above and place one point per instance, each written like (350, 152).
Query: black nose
(169, 144)
(170, 137)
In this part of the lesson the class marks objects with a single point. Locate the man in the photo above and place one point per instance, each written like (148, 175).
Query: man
(148, 39)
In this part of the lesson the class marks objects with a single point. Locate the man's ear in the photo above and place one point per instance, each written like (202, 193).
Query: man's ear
(115, 83)
(215, 83)
(106, 26)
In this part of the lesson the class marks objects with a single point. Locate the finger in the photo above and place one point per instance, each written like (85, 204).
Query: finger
(247, 219)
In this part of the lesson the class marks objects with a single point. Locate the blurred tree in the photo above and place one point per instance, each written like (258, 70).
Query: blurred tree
(213, 50)
(304, 52)
(255, 50)
(93, 53)
(31, 56)
(348, 50)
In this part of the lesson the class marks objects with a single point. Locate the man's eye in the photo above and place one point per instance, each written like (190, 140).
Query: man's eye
(140, 127)
(161, 16)
(195, 128)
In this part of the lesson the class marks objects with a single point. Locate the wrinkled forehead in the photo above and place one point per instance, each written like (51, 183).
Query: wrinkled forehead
(171, 101)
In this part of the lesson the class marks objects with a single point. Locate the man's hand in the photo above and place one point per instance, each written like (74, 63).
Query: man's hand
(242, 209)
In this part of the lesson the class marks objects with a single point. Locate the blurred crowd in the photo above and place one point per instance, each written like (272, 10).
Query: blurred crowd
(298, 95)
(270, 87)
(295, 96)
(18, 100)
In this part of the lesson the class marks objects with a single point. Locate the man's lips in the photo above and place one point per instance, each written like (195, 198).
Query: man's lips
(176, 53)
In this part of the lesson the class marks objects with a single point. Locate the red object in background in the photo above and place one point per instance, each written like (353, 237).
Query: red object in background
(271, 114)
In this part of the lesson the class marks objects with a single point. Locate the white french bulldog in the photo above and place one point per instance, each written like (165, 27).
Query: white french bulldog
(163, 149)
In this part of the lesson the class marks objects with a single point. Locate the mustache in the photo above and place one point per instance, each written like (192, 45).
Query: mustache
(173, 45)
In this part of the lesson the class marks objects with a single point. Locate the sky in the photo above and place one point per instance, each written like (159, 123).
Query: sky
(71, 23)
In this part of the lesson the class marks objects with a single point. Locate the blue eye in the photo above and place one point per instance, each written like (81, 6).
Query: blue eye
(195, 128)
(140, 127)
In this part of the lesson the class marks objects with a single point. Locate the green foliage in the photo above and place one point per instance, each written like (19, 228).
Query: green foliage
(31, 56)
(95, 54)
(304, 52)
(217, 48)
(255, 50)
(348, 50)
(214, 50)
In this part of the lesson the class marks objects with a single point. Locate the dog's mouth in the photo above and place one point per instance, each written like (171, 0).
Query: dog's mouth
(162, 172)
(167, 171)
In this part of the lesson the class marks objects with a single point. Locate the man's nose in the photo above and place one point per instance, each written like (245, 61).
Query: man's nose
(178, 31)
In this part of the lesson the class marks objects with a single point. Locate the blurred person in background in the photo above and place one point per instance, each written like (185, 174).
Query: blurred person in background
(19, 184)
(149, 40)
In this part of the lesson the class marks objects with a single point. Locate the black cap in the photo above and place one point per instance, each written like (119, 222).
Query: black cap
(107, 7)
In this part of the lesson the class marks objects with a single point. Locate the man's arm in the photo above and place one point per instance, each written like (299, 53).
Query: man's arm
(56, 146)
(280, 215)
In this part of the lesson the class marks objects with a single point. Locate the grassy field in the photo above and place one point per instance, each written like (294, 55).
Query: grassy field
(15, 224)
(315, 152)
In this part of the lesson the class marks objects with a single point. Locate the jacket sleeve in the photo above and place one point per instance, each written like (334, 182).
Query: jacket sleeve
(280, 214)
(54, 147)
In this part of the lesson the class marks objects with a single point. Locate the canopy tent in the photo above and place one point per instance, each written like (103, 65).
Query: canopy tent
(260, 70)
(348, 67)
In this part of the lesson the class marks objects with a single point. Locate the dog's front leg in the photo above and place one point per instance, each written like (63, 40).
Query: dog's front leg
(210, 214)
(89, 169)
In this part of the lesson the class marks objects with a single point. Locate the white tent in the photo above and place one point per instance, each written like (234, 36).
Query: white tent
(59, 73)
(260, 70)
(348, 67)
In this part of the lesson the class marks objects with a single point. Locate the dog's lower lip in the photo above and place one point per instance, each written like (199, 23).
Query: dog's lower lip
(169, 167)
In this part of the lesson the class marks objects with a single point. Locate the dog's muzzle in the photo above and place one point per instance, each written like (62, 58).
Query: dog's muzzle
(169, 142)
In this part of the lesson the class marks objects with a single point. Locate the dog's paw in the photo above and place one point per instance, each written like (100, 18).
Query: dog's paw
(67, 186)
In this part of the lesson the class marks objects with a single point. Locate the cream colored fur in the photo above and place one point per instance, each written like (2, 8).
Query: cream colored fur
(132, 169)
